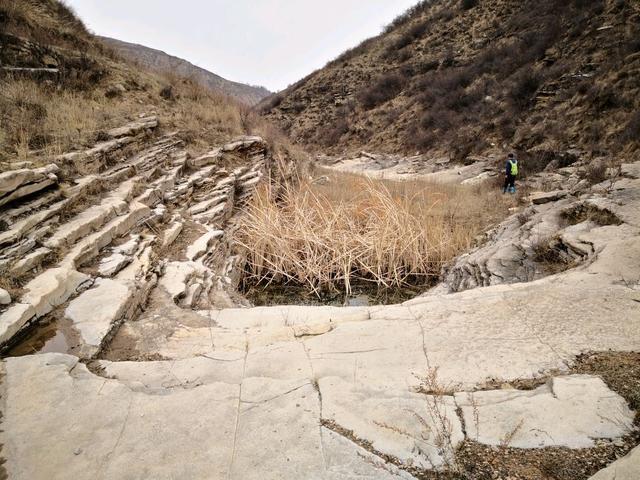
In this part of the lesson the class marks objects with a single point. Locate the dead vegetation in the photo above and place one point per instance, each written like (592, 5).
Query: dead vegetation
(552, 254)
(351, 229)
(95, 90)
(588, 212)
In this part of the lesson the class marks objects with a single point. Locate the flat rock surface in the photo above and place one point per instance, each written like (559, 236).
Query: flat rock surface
(566, 412)
(260, 428)
(94, 311)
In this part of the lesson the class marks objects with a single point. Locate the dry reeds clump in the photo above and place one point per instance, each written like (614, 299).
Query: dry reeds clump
(391, 234)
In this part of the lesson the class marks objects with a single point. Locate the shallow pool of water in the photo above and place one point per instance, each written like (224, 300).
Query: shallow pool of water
(43, 339)
(362, 295)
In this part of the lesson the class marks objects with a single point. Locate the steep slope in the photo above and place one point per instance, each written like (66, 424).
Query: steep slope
(460, 76)
(63, 89)
(163, 62)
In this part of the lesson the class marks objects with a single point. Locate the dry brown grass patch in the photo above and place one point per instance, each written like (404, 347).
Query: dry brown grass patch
(392, 234)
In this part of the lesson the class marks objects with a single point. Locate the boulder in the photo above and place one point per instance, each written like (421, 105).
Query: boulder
(5, 298)
(200, 246)
(112, 264)
(95, 312)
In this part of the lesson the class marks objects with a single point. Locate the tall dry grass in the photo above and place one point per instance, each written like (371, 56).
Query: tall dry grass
(36, 116)
(39, 119)
(358, 230)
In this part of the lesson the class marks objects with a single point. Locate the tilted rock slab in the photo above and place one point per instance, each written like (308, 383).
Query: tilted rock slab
(16, 184)
(45, 292)
(418, 430)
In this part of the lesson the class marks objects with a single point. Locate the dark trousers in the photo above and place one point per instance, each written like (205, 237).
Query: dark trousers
(509, 181)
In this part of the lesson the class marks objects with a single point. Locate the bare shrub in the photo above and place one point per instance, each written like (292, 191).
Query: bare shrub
(442, 429)
(333, 133)
(594, 173)
(468, 4)
(271, 102)
(631, 132)
(588, 212)
(167, 92)
(411, 34)
(388, 233)
(552, 254)
(386, 87)
(419, 8)
(525, 85)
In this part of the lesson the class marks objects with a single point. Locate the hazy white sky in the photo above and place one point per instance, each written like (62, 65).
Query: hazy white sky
(264, 42)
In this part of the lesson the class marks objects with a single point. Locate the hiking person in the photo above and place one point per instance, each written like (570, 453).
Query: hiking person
(511, 172)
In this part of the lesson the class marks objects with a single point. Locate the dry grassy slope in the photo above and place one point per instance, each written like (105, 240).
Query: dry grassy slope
(161, 61)
(524, 74)
(44, 113)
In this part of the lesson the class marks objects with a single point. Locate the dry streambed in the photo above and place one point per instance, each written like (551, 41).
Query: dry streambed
(172, 375)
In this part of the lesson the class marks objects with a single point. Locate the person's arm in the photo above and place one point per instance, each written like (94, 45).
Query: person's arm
(507, 169)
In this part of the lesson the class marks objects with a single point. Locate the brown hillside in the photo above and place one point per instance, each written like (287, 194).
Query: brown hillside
(163, 62)
(62, 89)
(460, 76)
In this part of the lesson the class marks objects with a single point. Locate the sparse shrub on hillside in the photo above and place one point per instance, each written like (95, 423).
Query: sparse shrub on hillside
(332, 134)
(604, 98)
(49, 22)
(167, 92)
(491, 82)
(272, 102)
(297, 106)
(468, 4)
(631, 132)
(81, 73)
(386, 87)
(407, 37)
(595, 5)
(525, 85)
(411, 13)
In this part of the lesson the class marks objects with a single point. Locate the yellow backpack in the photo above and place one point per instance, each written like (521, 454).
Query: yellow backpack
(514, 167)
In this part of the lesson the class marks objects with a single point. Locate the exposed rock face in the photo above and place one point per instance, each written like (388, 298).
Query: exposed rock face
(184, 381)
(16, 184)
(5, 298)
(546, 237)
(36, 234)
(626, 467)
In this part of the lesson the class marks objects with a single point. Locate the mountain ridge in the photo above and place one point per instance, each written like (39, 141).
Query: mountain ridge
(163, 61)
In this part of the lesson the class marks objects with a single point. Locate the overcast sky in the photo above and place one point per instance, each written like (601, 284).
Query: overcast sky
(262, 42)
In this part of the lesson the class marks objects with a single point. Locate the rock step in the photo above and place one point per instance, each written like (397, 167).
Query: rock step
(95, 159)
(119, 298)
(91, 230)
(10, 217)
(55, 286)
(16, 184)
(95, 216)
(45, 292)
